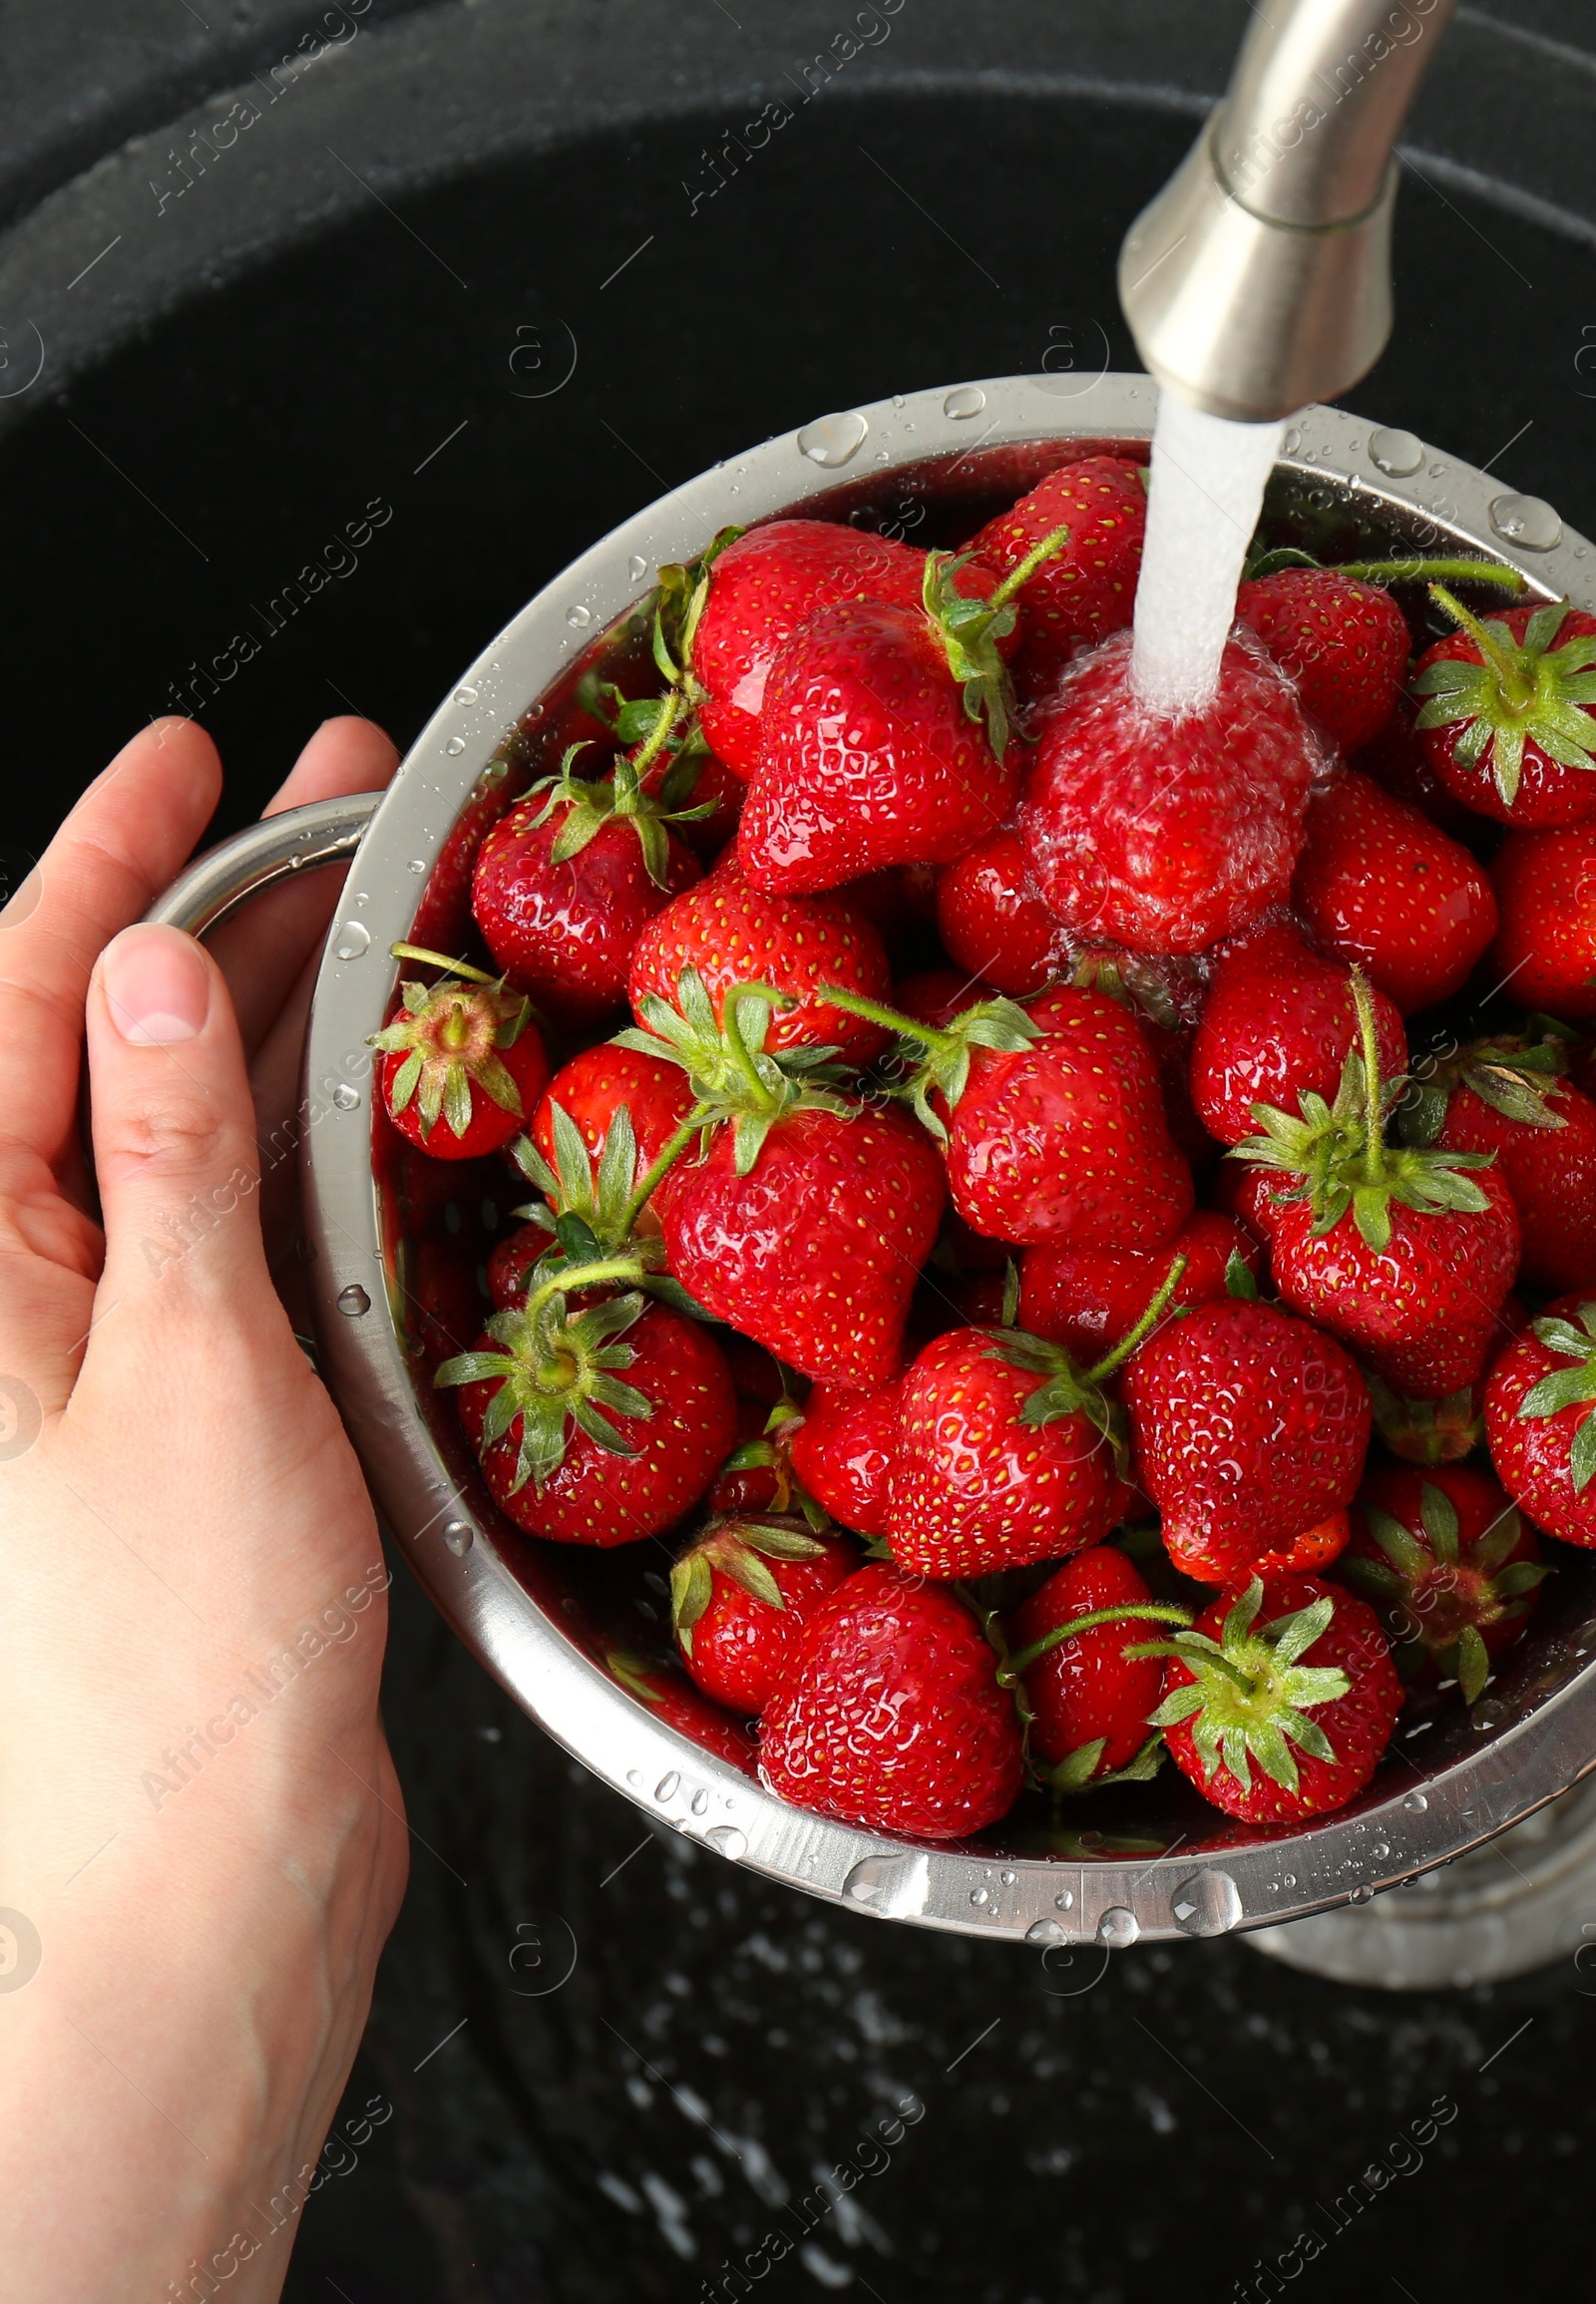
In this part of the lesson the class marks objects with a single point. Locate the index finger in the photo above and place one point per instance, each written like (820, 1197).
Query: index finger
(126, 839)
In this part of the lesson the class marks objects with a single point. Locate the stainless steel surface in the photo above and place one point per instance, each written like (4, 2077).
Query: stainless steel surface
(1259, 279)
(296, 840)
(1449, 1786)
(1526, 1901)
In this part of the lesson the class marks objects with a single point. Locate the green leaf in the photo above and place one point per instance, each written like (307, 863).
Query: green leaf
(1582, 1454)
(692, 1589)
(1473, 1664)
(1239, 1280)
(1439, 1517)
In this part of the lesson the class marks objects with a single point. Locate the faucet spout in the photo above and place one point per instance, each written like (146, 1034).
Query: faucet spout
(1259, 279)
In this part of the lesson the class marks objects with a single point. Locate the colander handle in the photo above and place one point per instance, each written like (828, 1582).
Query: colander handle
(297, 839)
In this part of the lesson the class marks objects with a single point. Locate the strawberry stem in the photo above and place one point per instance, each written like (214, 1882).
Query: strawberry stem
(1027, 568)
(1143, 1328)
(1373, 1112)
(670, 1154)
(1130, 1612)
(1393, 572)
(764, 1099)
(435, 960)
(627, 1267)
(670, 710)
(891, 1019)
(1517, 692)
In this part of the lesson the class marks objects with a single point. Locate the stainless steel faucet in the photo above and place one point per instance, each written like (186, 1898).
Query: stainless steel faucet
(1259, 279)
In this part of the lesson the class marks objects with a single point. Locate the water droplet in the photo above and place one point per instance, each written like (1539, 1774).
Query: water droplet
(455, 746)
(354, 939)
(1379, 1850)
(666, 1787)
(1436, 470)
(726, 1837)
(1490, 1715)
(898, 401)
(980, 1897)
(964, 400)
(1527, 521)
(1292, 441)
(1398, 453)
(700, 1802)
(417, 865)
(346, 1098)
(457, 1536)
(1288, 1879)
(634, 1776)
(353, 1301)
(1208, 1904)
(1047, 1932)
(1361, 1894)
(578, 615)
(1008, 1879)
(466, 695)
(1118, 1928)
(1065, 1899)
(1416, 1803)
(637, 567)
(830, 440)
(896, 1886)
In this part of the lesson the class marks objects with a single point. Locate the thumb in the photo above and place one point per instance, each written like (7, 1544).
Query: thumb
(174, 1133)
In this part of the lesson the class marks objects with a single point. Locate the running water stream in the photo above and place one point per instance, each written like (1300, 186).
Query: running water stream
(1205, 492)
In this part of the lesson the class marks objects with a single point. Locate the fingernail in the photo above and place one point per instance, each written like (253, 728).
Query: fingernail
(157, 986)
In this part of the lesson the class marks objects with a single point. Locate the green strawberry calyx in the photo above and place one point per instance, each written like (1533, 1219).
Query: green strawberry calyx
(931, 1058)
(1514, 692)
(678, 606)
(1338, 1155)
(557, 1369)
(1250, 1694)
(739, 1547)
(1569, 1387)
(593, 1209)
(1426, 1431)
(770, 1453)
(1439, 1591)
(449, 1035)
(1070, 1391)
(1081, 1771)
(1514, 1076)
(589, 803)
(737, 1082)
(969, 628)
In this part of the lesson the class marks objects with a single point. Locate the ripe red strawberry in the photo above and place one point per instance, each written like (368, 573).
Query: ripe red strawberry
(1540, 1422)
(591, 1090)
(1249, 1426)
(1508, 724)
(571, 1448)
(671, 1697)
(891, 1715)
(509, 1269)
(461, 1064)
(1405, 1254)
(443, 917)
(868, 756)
(1090, 1702)
(843, 1452)
(739, 1595)
(733, 934)
(1505, 1098)
(1280, 1701)
(1167, 835)
(806, 1217)
(746, 599)
(1277, 1023)
(1343, 643)
(1399, 764)
(1381, 885)
(1058, 1127)
(567, 882)
(702, 794)
(993, 921)
(1545, 948)
(1450, 1565)
(936, 997)
(1008, 1453)
(1089, 1299)
(1088, 589)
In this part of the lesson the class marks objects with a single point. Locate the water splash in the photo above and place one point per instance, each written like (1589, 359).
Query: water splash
(1204, 496)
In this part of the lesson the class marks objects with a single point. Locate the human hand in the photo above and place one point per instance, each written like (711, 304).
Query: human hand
(200, 1825)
